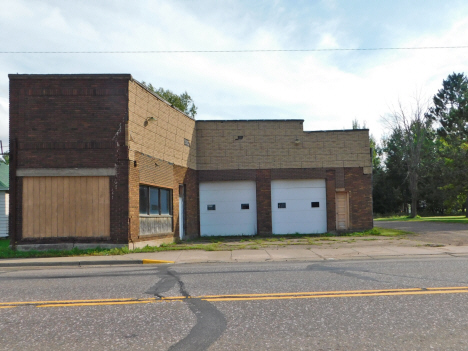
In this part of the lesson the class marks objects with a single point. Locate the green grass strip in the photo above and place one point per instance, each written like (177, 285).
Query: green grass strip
(209, 244)
(443, 219)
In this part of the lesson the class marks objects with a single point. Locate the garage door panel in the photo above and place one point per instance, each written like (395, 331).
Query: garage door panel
(228, 218)
(299, 227)
(299, 216)
(298, 205)
(217, 230)
(233, 195)
(222, 207)
(300, 193)
(302, 216)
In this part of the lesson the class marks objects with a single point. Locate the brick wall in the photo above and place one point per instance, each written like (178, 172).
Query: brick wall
(278, 144)
(360, 198)
(189, 178)
(164, 137)
(70, 121)
(264, 220)
(154, 172)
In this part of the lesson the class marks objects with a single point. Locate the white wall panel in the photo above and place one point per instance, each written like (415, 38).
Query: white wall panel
(4, 214)
(299, 216)
(228, 218)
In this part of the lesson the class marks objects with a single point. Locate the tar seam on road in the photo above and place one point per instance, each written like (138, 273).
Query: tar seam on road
(210, 324)
(194, 301)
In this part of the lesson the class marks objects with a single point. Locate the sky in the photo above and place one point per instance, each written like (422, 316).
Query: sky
(327, 89)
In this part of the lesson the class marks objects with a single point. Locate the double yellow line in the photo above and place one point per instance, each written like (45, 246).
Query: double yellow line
(243, 297)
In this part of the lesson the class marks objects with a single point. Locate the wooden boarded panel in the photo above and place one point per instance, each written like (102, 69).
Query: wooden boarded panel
(28, 208)
(42, 207)
(72, 206)
(95, 209)
(48, 207)
(88, 206)
(66, 207)
(53, 203)
(36, 207)
(104, 208)
(60, 204)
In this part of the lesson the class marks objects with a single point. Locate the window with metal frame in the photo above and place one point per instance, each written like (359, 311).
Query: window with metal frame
(155, 201)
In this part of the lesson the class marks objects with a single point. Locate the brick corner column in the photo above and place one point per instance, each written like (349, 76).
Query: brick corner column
(331, 205)
(263, 181)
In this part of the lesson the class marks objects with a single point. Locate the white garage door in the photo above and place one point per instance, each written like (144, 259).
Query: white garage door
(299, 206)
(228, 208)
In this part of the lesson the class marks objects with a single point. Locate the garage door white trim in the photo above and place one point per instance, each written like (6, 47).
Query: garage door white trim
(299, 206)
(228, 208)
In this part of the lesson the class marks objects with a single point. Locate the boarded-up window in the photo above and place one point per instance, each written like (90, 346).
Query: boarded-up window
(66, 207)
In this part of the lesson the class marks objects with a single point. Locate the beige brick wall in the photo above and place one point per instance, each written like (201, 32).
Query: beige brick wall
(272, 144)
(163, 138)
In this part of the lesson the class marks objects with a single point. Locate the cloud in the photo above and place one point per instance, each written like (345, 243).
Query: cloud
(326, 89)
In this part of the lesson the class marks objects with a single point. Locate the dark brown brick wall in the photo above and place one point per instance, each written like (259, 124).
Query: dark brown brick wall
(75, 121)
(331, 196)
(359, 186)
(264, 221)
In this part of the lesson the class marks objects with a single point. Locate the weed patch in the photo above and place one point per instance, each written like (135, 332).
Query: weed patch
(443, 219)
(212, 244)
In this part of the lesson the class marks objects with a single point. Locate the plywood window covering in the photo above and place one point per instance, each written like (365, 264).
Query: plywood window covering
(66, 207)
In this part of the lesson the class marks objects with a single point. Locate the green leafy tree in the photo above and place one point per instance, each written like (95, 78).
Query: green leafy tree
(451, 112)
(410, 125)
(183, 101)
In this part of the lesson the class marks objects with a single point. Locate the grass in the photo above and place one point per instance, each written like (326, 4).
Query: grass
(212, 244)
(443, 219)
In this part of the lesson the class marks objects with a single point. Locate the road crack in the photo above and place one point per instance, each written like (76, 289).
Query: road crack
(210, 324)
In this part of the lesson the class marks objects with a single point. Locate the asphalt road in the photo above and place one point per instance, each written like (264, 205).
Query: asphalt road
(333, 305)
(431, 232)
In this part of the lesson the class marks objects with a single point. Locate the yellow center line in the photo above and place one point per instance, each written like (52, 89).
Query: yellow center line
(316, 292)
(101, 303)
(243, 297)
(448, 288)
(62, 301)
(335, 295)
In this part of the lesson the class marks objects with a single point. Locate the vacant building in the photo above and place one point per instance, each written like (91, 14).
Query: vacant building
(99, 159)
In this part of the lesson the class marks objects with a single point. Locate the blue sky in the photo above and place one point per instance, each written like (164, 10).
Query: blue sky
(326, 89)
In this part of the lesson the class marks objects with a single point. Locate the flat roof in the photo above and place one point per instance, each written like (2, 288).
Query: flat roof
(250, 120)
(68, 76)
(282, 120)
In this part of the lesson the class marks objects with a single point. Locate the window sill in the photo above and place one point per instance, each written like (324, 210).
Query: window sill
(155, 216)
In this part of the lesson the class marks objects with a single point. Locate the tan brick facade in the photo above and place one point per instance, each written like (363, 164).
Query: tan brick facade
(278, 144)
(162, 138)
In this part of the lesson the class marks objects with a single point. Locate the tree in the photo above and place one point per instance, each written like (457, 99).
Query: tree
(357, 125)
(409, 126)
(183, 101)
(451, 112)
